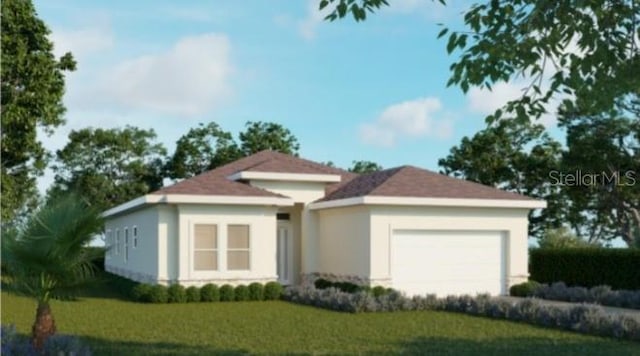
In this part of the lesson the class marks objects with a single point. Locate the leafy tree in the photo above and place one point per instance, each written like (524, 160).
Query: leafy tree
(46, 258)
(583, 51)
(201, 149)
(562, 237)
(602, 162)
(260, 136)
(109, 166)
(516, 157)
(32, 89)
(361, 167)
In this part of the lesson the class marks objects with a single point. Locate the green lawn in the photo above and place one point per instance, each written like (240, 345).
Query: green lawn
(117, 327)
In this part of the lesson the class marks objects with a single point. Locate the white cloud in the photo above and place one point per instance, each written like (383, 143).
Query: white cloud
(83, 41)
(190, 79)
(409, 119)
(484, 101)
(307, 27)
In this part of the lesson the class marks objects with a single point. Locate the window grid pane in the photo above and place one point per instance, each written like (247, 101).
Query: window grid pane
(205, 253)
(237, 260)
(238, 237)
(238, 248)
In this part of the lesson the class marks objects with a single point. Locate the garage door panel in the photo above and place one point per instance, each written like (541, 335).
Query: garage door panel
(448, 262)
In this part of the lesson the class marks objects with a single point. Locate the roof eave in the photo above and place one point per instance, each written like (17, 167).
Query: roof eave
(197, 199)
(441, 202)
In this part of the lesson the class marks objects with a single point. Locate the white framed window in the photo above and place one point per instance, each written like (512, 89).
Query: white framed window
(126, 245)
(205, 247)
(109, 243)
(238, 248)
(117, 242)
(135, 236)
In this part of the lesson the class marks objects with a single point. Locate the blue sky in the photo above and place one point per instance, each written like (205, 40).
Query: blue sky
(348, 91)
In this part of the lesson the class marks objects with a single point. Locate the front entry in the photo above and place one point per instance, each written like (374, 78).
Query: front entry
(284, 253)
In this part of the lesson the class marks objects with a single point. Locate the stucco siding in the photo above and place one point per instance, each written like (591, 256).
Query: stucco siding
(142, 261)
(386, 219)
(262, 227)
(300, 192)
(343, 242)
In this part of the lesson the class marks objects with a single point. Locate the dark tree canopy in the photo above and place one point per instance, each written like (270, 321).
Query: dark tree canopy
(259, 136)
(109, 166)
(516, 157)
(201, 149)
(361, 167)
(603, 152)
(32, 91)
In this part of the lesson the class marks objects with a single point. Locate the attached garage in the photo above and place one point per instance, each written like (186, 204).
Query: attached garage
(448, 262)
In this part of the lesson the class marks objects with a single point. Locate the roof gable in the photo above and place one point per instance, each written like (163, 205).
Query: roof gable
(216, 181)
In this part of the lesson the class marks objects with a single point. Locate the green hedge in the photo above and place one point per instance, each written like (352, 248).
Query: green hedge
(587, 267)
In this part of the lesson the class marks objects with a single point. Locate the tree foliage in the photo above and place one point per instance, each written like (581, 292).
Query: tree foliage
(361, 167)
(516, 157)
(109, 166)
(259, 136)
(202, 148)
(46, 258)
(603, 154)
(563, 237)
(32, 91)
(586, 53)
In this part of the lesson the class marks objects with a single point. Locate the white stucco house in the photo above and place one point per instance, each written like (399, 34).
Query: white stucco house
(275, 217)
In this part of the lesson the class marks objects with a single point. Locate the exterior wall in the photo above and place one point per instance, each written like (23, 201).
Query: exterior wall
(168, 240)
(385, 219)
(262, 227)
(300, 192)
(343, 249)
(142, 264)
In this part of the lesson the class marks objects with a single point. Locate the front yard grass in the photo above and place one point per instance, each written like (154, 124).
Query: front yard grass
(117, 327)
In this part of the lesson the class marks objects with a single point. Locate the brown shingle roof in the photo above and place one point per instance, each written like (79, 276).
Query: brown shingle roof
(215, 182)
(408, 181)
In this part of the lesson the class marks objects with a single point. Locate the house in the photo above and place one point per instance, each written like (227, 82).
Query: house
(272, 216)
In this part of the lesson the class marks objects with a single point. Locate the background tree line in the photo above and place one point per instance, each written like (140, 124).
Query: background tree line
(597, 85)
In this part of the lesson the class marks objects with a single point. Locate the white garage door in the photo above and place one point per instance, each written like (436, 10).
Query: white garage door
(448, 262)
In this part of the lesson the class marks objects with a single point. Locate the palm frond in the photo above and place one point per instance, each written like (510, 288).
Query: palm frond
(48, 257)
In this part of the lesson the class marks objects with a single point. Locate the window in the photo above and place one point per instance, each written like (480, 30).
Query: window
(135, 237)
(117, 242)
(126, 244)
(109, 243)
(205, 247)
(238, 247)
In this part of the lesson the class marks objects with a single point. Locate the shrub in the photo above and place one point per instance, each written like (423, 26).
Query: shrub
(210, 293)
(121, 285)
(322, 283)
(587, 267)
(524, 289)
(256, 291)
(158, 294)
(379, 290)
(241, 293)
(193, 294)
(176, 294)
(272, 291)
(603, 295)
(347, 287)
(60, 344)
(227, 293)
(141, 292)
(582, 318)
(13, 343)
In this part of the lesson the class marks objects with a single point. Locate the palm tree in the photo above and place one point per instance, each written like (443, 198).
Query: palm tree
(46, 258)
